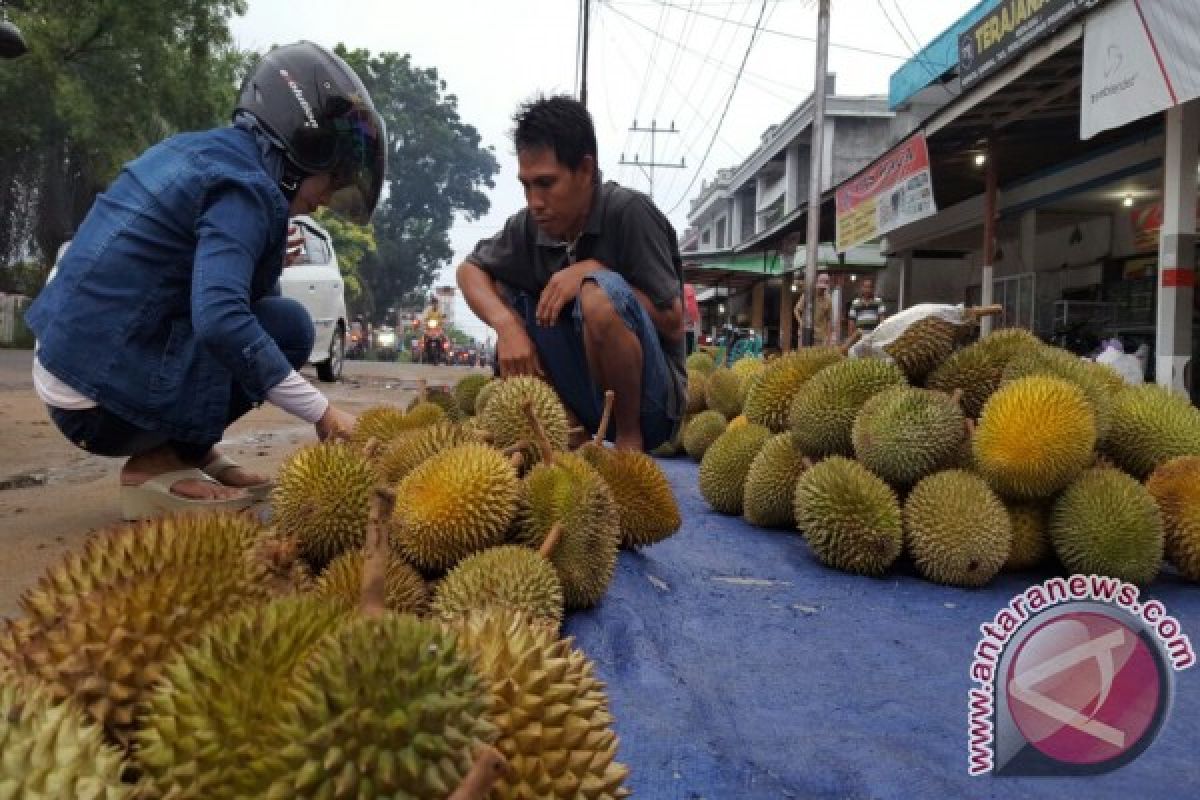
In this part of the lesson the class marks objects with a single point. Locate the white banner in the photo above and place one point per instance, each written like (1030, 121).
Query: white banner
(1140, 57)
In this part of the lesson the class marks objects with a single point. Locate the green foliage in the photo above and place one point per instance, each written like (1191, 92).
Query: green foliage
(352, 243)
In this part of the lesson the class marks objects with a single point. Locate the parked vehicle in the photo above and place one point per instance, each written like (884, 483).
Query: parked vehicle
(385, 343)
(315, 281)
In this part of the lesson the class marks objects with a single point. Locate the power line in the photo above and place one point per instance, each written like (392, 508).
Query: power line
(684, 33)
(904, 41)
(732, 91)
(899, 11)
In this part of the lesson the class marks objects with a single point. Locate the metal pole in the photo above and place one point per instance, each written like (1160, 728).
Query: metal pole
(989, 238)
(812, 242)
(583, 70)
(1177, 248)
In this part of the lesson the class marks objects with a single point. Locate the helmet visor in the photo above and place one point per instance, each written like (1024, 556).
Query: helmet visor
(361, 165)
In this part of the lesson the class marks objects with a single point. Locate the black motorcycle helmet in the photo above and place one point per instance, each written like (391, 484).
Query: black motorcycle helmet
(316, 106)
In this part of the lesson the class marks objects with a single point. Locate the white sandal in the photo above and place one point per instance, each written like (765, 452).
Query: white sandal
(217, 467)
(154, 497)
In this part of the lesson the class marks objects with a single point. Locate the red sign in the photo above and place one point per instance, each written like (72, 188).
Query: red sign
(895, 190)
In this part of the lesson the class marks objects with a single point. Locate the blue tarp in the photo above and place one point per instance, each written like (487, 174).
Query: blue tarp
(739, 667)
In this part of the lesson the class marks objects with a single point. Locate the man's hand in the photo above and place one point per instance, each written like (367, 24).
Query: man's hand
(516, 352)
(562, 288)
(335, 424)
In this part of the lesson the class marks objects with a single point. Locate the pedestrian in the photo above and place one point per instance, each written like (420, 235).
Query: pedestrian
(584, 286)
(866, 310)
(163, 324)
(822, 312)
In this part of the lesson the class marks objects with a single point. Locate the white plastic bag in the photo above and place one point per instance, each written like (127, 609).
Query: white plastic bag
(872, 344)
(1130, 368)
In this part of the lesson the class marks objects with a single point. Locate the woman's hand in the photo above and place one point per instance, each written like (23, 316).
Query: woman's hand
(335, 425)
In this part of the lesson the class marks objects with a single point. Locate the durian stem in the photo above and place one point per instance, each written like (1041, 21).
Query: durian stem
(517, 459)
(956, 396)
(806, 462)
(540, 439)
(602, 431)
(578, 429)
(489, 767)
(978, 312)
(551, 542)
(970, 426)
(422, 390)
(373, 598)
(371, 448)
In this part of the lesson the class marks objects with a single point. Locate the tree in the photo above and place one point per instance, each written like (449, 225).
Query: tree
(352, 243)
(436, 168)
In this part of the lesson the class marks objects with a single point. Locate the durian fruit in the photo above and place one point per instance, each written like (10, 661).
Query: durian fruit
(771, 483)
(320, 498)
(723, 392)
(407, 450)
(1150, 425)
(746, 366)
(1035, 436)
(388, 706)
(1175, 486)
(646, 505)
(1086, 374)
(214, 711)
(1106, 523)
(570, 494)
(1030, 541)
(957, 530)
(341, 583)
(428, 412)
(904, 434)
(697, 388)
(384, 423)
(849, 517)
(441, 397)
(978, 369)
(467, 390)
(485, 392)
(552, 715)
(48, 749)
(823, 410)
(504, 416)
(102, 640)
(701, 431)
(673, 446)
(769, 400)
(701, 362)
(454, 504)
(738, 421)
(725, 465)
(925, 344)
(511, 577)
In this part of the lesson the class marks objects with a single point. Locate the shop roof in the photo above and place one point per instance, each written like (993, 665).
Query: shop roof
(935, 60)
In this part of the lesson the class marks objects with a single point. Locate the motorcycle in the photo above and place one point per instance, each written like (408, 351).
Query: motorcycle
(433, 343)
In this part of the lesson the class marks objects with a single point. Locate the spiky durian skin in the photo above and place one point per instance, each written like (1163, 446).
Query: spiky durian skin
(849, 517)
(50, 751)
(924, 344)
(341, 583)
(904, 434)
(1175, 486)
(1030, 541)
(452, 505)
(384, 423)
(769, 399)
(1106, 523)
(409, 449)
(701, 362)
(1083, 373)
(1150, 425)
(485, 393)
(467, 390)
(724, 392)
(104, 643)
(218, 699)
(321, 497)
(725, 465)
(701, 431)
(957, 530)
(510, 577)
(771, 483)
(439, 397)
(646, 505)
(697, 388)
(823, 410)
(748, 365)
(551, 713)
(504, 416)
(1035, 436)
(979, 368)
(571, 493)
(387, 707)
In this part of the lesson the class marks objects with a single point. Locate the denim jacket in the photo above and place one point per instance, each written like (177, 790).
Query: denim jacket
(150, 314)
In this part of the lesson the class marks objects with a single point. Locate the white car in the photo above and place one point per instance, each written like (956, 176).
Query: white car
(315, 281)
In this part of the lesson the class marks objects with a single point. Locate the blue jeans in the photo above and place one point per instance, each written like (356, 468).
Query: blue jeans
(103, 433)
(564, 358)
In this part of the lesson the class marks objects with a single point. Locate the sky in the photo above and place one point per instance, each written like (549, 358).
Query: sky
(657, 62)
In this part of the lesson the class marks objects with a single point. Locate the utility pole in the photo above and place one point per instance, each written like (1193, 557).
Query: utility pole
(647, 167)
(812, 242)
(584, 11)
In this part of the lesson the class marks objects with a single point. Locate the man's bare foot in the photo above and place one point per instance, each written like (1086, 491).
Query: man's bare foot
(238, 477)
(141, 468)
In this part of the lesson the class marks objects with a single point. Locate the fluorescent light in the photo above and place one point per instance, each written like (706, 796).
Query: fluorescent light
(980, 159)
(1128, 201)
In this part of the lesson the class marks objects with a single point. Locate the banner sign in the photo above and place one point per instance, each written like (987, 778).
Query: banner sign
(1009, 30)
(1140, 57)
(895, 190)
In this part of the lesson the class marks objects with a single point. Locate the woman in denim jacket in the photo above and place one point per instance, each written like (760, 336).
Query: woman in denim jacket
(163, 324)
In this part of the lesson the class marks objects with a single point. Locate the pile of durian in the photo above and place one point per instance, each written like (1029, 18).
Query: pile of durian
(968, 457)
(392, 633)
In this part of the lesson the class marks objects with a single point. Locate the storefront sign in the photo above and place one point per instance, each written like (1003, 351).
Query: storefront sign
(1139, 58)
(894, 191)
(1008, 31)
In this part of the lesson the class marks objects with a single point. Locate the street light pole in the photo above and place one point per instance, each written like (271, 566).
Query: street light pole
(816, 157)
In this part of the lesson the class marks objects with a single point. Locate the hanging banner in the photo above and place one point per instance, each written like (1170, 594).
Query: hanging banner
(895, 190)
(1140, 57)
